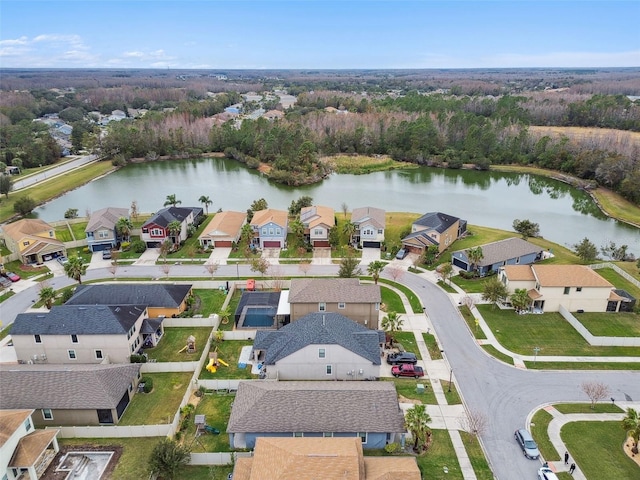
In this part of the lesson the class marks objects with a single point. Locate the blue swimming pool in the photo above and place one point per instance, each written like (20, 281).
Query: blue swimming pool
(253, 317)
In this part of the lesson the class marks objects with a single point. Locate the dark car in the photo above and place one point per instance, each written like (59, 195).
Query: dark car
(5, 282)
(402, 253)
(527, 444)
(12, 276)
(402, 357)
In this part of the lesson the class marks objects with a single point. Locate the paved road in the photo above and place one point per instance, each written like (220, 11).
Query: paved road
(504, 394)
(52, 172)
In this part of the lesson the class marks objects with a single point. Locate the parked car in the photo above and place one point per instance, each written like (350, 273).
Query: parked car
(402, 253)
(106, 254)
(402, 357)
(62, 260)
(527, 444)
(407, 370)
(5, 282)
(12, 276)
(545, 473)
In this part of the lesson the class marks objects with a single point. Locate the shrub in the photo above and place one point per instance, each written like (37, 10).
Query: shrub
(137, 358)
(67, 294)
(125, 246)
(138, 246)
(392, 447)
(148, 384)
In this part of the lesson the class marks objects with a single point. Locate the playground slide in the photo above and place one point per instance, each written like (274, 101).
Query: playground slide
(223, 363)
(182, 349)
(211, 367)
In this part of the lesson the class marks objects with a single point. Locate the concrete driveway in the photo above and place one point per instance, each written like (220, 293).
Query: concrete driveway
(148, 257)
(369, 255)
(321, 256)
(272, 255)
(98, 262)
(219, 255)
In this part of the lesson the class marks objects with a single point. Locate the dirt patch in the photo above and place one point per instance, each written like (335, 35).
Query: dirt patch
(264, 168)
(627, 449)
(402, 399)
(51, 474)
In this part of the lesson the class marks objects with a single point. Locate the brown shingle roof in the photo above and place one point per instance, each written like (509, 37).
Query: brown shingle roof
(520, 273)
(376, 216)
(27, 226)
(227, 223)
(30, 447)
(106, 218)
(568, 276)
(279, 217)
(320, 406)
(385, 468)
(317, 215)
(333, 290)
(10, 420)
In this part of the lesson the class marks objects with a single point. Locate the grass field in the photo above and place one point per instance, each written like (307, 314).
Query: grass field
(618, 281)
(407, 387)
(597, 448)
(360, 164)
(217, 409)
(408, 341)
(549, 331)
(476, 456)
(539, 431)
(391, 300)
(416, 306)
(611, 324)
(440, 455)
(494, 352)
(229, 351)
(432, 346)
(471, 322)
(568, 408)
(174, 340)
(63, 233)
(211, 300)
(582, 365)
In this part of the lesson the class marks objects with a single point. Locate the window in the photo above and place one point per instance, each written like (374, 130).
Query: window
(264, 231)
(318, 232)
(341, 305)
(518, 261)
(145, 230)
(329, 370)
(327, 434)
(51, 233)
(578, 289)
(363, 436)
(271, 232)
(99, 355)
(298, 434)
(322, 307)
(278, 231)
(157, 232)
(72, 354)
(103, 234)
(567, 290)
(37, 338)
(380, 231)
(25, 244)
(27, 424)
(74, 338)
(322, 353)
(47, 414)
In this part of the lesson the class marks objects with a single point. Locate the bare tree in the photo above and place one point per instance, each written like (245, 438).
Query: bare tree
(113, 268)
(277, 278)
(474, 423)
(305, 266)
(212, 268)
(395, 272)
(345, 209)
(166, 268)
(596, 391)
(259, 264)
(468, 301)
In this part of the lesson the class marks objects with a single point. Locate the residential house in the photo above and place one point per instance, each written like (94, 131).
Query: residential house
(313, 458)
(346, 296)
(318, 222)
(156, 230)
(577, 288)
(80, 394)
(101, 230)
(370, 223)
(81, 334)
(434, 228)
(161, 300)
(270, 228)
(25, 453)
(273, 115)
(365, 410)
(511, 251)
(33, 240)
(320, 346)
(224, 230)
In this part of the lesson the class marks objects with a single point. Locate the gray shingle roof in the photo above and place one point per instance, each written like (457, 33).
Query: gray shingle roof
(65, 386)
(502, 250)
(436, 220)
(79, 320)
(165, 216)
(319, 329)
(376, 216)
(332, 290)
(150, 295)
(270, 406)
(106, 218)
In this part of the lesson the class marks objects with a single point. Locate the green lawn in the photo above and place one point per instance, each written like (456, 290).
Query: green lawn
(191, 248)
(63, 233)
(174, 340)
(494, 352)
(597, 448)
(408, 341)
(549, 331)
(82, 252)
(446, 287)
(618, 281)
(450, 393)
(211, 300)
(391, 300)
(476, 456)
(25, 271)
(474, 285)
(586, 408)
(440, 455)
(611, 324)
(229, 351)
(539, 431)
(432, 346)
(5, 331)
(5, 295)
(407, 388)
(161, 404)
(78, 230)
(414, 301)
(583, 365)
(217, 410)
(471, 322)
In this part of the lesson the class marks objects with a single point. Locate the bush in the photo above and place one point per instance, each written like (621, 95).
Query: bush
(139, 246)
(148, 384)
(125, 246)
(136, 358)
(67, 294)
(392, 447)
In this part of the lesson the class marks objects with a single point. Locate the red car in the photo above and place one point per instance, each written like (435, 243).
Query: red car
(12, 276)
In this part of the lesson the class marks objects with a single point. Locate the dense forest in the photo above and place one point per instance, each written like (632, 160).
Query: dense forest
(445, 118)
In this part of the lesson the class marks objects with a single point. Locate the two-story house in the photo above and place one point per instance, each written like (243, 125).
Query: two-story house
(346, 296)
(270, 228)
(25, 453)
(79, 334)
(511, 251)
(32, 240)
(155, 231)
(318, 222)
(101, 230)
(224, 230)
(577, 288)
(369, 225)
(434, 228)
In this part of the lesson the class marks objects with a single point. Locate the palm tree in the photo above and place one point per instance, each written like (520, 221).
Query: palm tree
(297, 229)
(47, 295)
(375, 268)
(224, 313)
(75, 268)
(520, 299)
(175, 228)
(349, 229)
(417, 422)
(475, 256)
(172, 200)
(124, 227)
(631, 423)
(391, 324)
(206, 201)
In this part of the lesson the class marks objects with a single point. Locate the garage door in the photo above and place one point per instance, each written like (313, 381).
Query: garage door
(371, 244)
(223, 243)
(272, 244)
(460, 264)
(321, 243)
(101, 247)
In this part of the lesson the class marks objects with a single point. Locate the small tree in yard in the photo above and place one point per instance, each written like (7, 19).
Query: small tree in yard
(168, 457)
(596, 391)
(631, 424)
(24, 205)
(391, 324)
(349, 267)
(259, 264)
(494, 291)
(212, 268)
(520, 299)
(395, 272)
(526, 228)
(417, 421)
(475, 256)
(374, 269)
(474, 423)
(46, 295)
(446, 269)
(586, 250)
(75, 268)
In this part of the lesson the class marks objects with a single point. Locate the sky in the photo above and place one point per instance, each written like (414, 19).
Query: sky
(310, 34)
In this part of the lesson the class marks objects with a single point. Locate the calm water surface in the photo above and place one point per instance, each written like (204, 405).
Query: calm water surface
(566, 215)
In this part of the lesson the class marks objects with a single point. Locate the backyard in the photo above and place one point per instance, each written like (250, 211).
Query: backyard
(174, 340)
(217, 410)
(229, 352)
(611, 324)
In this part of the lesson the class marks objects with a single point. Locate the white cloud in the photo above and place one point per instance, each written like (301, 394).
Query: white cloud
(14, 41)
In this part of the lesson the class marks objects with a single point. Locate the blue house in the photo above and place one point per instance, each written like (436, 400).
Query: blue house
(270, 228)
(367, 410)
(101, 229)
(512, 251)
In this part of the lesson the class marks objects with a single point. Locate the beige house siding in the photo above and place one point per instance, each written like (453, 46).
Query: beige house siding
(306, 364)
(444, 239)
(364, 313)
(71, 417)
(590, 299)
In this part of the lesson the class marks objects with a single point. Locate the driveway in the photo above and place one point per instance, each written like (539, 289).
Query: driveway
(272, 255)
(321, 256)
(369, 255)
(219, 255)
(148, 257)
(98, 262)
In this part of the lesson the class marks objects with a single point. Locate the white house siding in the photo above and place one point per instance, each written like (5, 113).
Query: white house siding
(590, 299)
(305, 364)
(366, 235)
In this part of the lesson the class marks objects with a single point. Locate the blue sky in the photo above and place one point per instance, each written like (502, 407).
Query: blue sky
(307, 34)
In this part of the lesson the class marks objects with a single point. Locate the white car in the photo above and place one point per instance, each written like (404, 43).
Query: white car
(545, 473)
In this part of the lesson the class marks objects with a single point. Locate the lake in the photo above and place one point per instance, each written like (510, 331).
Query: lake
(565, 214)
